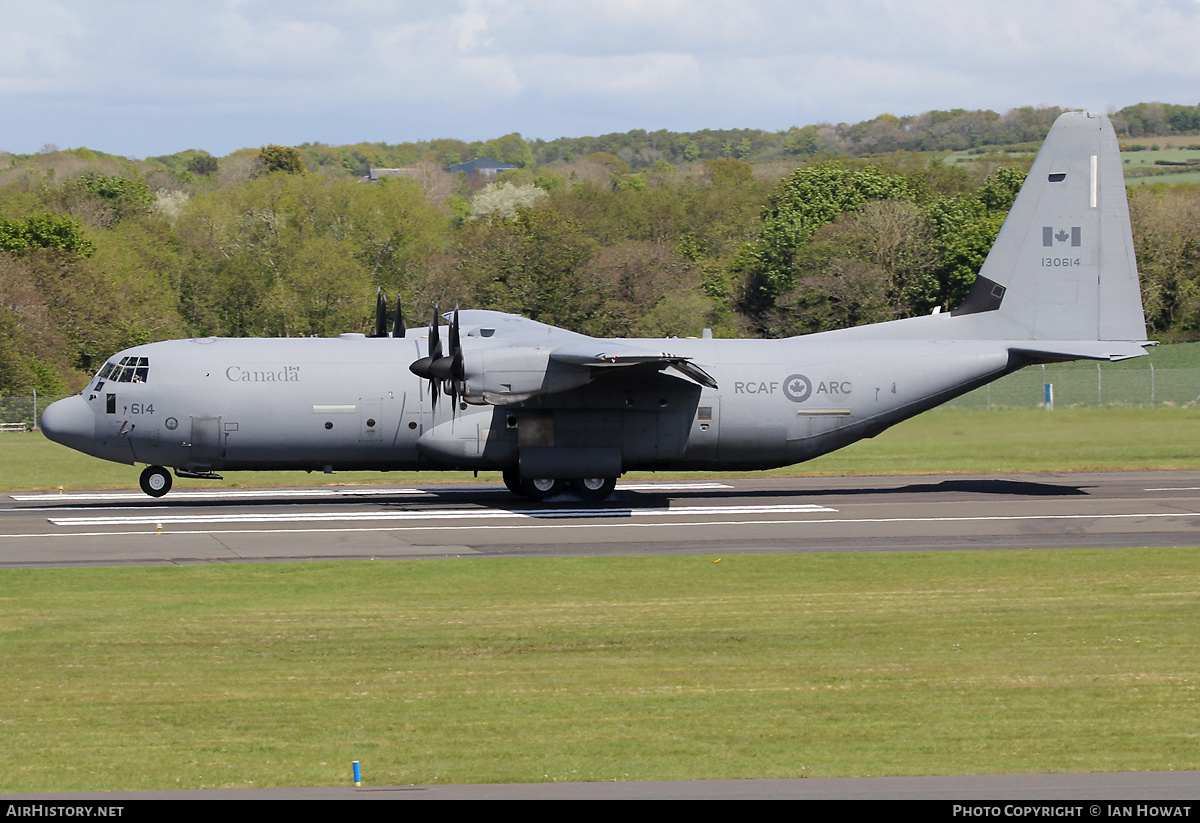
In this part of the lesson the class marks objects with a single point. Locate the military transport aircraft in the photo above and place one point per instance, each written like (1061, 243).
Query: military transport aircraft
(555, 410)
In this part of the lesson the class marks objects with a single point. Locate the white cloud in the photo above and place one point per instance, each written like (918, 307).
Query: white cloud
(642, 75)
(36, 48)
(154, 73)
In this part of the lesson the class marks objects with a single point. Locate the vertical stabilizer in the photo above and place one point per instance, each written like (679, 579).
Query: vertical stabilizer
(1063, 267)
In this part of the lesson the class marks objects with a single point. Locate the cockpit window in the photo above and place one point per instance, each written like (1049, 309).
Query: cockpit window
(127, 370)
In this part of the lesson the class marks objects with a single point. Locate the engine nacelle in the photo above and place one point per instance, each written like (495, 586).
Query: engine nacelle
(501, 377)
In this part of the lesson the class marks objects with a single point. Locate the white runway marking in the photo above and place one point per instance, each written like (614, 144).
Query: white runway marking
(451, 514)
(234, 494)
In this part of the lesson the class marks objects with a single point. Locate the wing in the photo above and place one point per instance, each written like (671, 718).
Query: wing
(605, 354)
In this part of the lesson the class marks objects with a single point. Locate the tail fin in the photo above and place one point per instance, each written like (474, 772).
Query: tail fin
(1063, 267)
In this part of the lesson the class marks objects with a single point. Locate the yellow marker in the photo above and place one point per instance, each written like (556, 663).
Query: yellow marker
(60, 490)
(160, 528)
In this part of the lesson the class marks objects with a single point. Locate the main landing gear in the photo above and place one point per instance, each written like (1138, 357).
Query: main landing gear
(155, 481)
(590, 489)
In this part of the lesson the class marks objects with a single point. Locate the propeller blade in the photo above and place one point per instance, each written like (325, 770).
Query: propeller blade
(380, 313)
(399, 328)
(457, 366)
(435, 340)
(444, 368)
(457, 372)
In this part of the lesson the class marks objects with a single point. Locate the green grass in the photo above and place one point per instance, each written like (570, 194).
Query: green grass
(946, 440)
(587, 669)
(1147, 161)
(1142, 169)
(1027, 440)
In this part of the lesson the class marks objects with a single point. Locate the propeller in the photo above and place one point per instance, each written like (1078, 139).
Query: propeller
(445, 372)
(423, 367)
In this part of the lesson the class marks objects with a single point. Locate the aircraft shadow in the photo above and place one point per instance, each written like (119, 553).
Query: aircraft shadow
(993, 486)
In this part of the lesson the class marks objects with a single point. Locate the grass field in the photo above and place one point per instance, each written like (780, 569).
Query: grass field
(1140, 167)
(956, 441)
(522, 670)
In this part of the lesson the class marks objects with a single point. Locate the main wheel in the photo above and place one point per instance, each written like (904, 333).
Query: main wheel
(594, 489)
(542, 488)
(155, 481)
(512, 481)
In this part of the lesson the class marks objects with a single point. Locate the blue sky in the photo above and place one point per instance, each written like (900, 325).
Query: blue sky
(147, 77)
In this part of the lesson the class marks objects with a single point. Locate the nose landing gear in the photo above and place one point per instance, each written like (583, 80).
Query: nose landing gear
(155, 481)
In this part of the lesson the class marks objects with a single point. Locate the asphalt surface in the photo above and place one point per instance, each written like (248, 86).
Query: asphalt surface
(200, 523)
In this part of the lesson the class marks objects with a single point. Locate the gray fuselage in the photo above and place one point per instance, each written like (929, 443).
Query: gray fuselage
(351, 403)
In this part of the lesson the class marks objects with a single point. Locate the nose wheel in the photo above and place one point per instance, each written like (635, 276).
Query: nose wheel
(155, 481)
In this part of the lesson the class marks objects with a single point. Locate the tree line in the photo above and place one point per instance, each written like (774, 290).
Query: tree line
(639, 150)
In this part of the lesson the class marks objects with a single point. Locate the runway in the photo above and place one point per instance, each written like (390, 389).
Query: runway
(199, 524)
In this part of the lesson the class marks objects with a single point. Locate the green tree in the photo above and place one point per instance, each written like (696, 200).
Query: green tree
(103, 200)
(802, 142)
(964, 229)
(532, 264)
(287, 159)
(729, 172)
(1000, 189)
(1166, 239)
(16, 375)
(259, 253)
(511, 149)
(810, 198)
(202, 165)
(44, 231)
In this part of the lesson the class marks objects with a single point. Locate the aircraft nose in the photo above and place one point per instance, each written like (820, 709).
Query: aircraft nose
(70, 422)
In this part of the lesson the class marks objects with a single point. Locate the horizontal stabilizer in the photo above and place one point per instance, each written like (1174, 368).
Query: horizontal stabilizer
(1052, 351)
